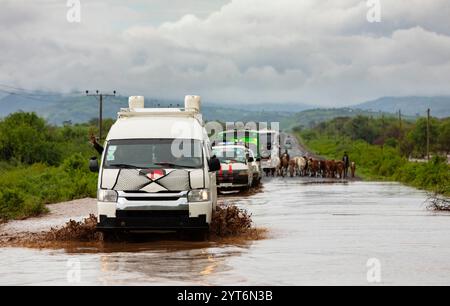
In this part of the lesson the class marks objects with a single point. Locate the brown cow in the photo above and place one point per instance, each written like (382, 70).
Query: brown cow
(353, 169)
(292, 167)
(340, 169)
(284, 165)
(313, 166)
(323, 168)
(331, 168)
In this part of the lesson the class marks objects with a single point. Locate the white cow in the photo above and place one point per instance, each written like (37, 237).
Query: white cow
(301, 165)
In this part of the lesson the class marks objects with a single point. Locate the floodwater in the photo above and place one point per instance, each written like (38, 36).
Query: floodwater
(319, 234)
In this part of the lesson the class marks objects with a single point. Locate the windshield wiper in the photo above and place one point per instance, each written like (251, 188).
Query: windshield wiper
(125, 166)
(176, 165)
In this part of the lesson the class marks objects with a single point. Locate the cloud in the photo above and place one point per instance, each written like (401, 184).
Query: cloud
(321, 52)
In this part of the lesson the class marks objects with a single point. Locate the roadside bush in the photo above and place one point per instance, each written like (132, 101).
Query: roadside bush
(28, 139)
(27, 189)
(74, 162)
(16, 204)
(42, 164)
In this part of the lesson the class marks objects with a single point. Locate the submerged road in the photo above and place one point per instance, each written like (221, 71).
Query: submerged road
(345, 233)
(318, 234)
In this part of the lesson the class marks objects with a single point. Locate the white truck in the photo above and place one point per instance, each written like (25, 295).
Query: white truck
(156, 170)
(269, 150)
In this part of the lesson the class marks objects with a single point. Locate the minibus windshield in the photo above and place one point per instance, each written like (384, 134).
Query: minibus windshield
(230, 154)
(154, 153)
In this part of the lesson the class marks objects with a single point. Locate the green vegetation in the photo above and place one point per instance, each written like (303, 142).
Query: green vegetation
(381, 149)
(41, 164)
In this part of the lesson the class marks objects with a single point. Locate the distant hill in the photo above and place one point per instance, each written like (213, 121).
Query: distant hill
(58, 109)
(411, 106)
(269, 107)
(311, 117)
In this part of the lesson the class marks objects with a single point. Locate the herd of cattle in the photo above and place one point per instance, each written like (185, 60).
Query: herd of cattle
(307, 166)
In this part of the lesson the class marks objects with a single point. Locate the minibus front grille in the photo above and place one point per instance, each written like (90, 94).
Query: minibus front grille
(174, 198)
(145, 192)
(151, 213)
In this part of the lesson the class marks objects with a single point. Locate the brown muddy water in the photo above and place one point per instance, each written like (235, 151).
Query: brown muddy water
(324, 234)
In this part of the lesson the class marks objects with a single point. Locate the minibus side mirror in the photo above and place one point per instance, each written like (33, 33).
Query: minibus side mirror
(93, 164)
(258, 159)
(250, 159)
(214, 164)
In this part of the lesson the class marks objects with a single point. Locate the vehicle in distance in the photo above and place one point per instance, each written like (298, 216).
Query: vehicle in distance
(264, 143)
(239, 169)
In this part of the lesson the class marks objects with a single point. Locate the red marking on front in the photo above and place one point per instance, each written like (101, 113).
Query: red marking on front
(155, 174)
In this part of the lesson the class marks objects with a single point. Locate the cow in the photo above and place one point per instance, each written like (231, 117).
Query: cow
(284, 164)
(323, 168)
(302, 165)
(292, 167)
(340, 169)
(313, 166)
(330, 168)
(353, 169)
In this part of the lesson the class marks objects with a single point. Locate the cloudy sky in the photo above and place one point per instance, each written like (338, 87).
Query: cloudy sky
(321, 52)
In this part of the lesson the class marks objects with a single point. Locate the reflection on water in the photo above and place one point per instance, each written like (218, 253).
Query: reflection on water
(166, 267)
(319, 234)
(169, 262)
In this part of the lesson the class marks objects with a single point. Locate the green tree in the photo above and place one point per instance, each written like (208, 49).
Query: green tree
(418, 135)
(360, 128)
(26, 138)
(444, 136)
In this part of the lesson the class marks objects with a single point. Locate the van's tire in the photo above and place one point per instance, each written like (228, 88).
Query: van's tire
(194, 234)
(114, 235)
(107, 236)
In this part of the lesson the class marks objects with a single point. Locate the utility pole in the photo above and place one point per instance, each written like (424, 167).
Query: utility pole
(100, 108)
(400, 120)
(383, 132)
(428, 134)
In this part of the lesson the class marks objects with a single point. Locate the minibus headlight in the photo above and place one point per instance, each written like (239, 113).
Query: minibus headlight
(198, 195)
(107, 195)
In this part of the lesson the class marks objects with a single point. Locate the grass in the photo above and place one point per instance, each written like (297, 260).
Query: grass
(26, 189)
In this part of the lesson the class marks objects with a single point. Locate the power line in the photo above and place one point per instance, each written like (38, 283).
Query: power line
(428, 133)
(23, 95)
(27, 91)
(32, 92)
(100, 110)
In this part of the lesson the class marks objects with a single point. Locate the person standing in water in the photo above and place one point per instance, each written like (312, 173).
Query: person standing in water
(346, 161)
